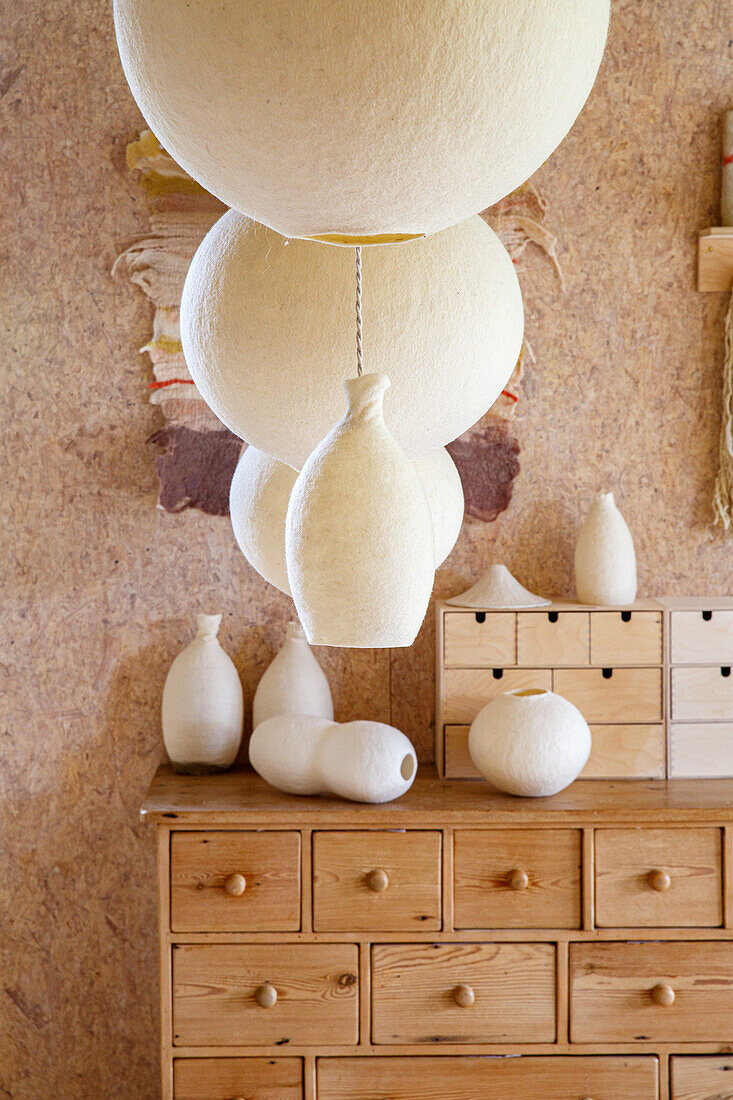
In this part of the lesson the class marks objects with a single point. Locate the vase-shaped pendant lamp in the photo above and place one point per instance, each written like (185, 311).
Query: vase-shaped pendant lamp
(358, 534)
(605, 561)
(294, 683)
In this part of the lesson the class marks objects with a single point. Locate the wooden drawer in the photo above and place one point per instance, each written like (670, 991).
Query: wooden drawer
(627, 695)
(235, 1078)
(701, 750)
(625, 638)
(376, 881)
(217, 990)
(464, 1078)
(517, 878)
(658, 878)
(235, 882)
(552, 638)
(416, 990)
(701, 637)
(702, 694)
(467, 690)
(618, 992)
(482, 638)
(699, 1077)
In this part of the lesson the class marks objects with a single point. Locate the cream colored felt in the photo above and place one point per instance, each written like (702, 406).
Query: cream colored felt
(358, 533)
(605, 559)
(498, 588)
(294, 683)
(360, 117)
(258, 503)
(267, 327)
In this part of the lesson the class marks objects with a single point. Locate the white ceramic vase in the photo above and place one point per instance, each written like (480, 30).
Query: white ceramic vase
(203, 707)
(605, 561)
(361, 761)
(358, 533)
(530, 742)
(294, 683)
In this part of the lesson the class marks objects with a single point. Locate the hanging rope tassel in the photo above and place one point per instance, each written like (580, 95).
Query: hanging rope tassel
(359, 350)
(723, 495)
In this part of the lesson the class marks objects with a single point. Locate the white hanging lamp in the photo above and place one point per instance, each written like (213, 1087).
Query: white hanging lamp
(362, 120)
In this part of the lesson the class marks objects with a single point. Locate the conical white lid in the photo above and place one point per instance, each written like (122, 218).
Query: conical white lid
(498, 589)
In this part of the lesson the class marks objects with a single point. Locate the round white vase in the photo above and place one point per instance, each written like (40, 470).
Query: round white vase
(605, 560)
(530, 742)
(294, 683)
(203, 706)
(361, 761)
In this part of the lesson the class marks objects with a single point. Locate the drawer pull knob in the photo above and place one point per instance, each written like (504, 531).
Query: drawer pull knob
(378, 881)
(235, 885)
(659, 881)
(266, 995)
(663, 994)
(464, 996)
(518, 879)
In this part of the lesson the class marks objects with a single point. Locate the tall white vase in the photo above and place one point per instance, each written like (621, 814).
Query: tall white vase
(605, 560)
(294, 683)
(358, 533)
(203, 707)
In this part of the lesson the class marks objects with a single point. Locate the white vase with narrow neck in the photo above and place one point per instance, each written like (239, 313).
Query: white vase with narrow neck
(203, 706)
(605, 560)
(294, 683)
(358, 533)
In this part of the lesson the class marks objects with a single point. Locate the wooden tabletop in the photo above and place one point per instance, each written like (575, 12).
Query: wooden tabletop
(241, 798)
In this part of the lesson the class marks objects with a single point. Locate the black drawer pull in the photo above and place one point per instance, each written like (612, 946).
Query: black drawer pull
(498, 673)
(625, 616)
(480, 616)
(552, 616)
(607, 673)
(707, 616)
(725, 670)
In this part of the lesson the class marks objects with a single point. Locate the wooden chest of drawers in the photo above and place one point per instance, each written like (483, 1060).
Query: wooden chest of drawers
(313, 949)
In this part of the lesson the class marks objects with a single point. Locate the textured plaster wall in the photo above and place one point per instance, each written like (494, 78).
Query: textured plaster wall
(99, 589)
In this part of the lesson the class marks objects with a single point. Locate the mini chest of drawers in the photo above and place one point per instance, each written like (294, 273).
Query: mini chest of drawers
(458, 943)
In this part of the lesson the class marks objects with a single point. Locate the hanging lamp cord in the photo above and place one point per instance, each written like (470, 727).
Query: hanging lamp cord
(359, 350)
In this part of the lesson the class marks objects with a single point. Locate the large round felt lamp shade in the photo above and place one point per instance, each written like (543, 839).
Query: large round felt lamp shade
(353, 120)
(268, 332)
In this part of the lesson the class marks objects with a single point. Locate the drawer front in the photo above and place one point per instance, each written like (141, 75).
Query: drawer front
(376, 881)
(230, 1078)
(658, 878)
(552, 638)
(701, 750)
(223, 994)
(467, 690)
(464, 1078)
(655, 992)
(702, 694)
(701, 637)
(463, 993)
(517, 878)
(235, 882)
(479, 638)
(699, 1077)
(626, 638)
(626, 695)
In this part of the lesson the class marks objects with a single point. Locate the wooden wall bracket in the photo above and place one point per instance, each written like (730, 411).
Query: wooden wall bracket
(715, 258)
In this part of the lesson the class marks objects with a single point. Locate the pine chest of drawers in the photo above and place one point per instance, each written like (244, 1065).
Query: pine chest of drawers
(457, 943)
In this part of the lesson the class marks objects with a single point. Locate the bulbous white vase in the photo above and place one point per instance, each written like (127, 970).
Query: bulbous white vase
(605, 561)
(361, 761)
(294, 683)
(530, 742)
(358, 533)
(203, 707)
(443, 490)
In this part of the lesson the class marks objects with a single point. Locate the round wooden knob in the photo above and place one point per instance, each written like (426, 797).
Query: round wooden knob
(235, 885)
(464, 996)
(377, 881)
(663, 994)
(518, 879)
(266, 995)
(659, 880)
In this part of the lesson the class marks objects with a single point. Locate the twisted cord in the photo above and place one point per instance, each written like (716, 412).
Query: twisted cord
(359, 349)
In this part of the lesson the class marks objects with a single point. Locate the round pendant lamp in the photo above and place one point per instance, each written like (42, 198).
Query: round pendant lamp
(267, 332)
(360, 120)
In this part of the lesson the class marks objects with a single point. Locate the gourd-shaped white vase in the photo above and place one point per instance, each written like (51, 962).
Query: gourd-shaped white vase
(358, 533)
(529, 742)
(294, 683)
(605, 561)
(203, 707)
(362, 761)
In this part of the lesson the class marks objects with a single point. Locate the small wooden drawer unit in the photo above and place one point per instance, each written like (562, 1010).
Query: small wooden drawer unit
(456, 943)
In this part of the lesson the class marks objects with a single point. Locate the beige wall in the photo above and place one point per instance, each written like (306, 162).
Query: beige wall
(99, 589)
